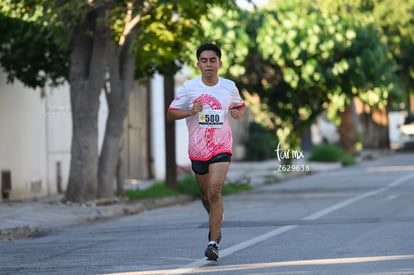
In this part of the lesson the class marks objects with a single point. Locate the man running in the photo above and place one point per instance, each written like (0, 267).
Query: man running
(206, 102)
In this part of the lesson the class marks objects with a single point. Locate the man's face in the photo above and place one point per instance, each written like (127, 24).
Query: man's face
(209, 63)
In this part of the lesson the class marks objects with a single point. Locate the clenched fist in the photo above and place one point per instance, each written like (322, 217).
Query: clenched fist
(197, 107)
(238, 112)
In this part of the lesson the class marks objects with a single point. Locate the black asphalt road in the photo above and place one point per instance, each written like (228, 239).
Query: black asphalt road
(356, 220)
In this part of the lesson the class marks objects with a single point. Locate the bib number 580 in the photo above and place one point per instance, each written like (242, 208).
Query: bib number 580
(212, 118)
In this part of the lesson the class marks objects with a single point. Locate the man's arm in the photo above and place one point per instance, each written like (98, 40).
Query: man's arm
(174, 114)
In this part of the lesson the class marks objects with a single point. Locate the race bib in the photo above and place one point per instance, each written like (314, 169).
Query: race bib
(211, 118)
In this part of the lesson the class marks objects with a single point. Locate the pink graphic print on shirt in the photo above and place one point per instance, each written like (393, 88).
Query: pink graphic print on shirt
(210, 144)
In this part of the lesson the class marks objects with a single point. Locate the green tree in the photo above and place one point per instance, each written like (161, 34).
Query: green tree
(299, 61)
(396, 20)
(31, 51)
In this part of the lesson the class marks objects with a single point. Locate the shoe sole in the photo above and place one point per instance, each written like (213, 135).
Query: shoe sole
(211, 255)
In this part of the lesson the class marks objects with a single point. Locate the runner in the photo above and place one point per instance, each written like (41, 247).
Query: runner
(206, 103)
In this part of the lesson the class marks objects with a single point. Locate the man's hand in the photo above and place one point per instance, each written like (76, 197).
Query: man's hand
(238, 112)
(173, 114)
(197, 107)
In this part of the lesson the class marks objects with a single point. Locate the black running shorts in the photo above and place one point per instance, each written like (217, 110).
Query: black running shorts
(201, 167)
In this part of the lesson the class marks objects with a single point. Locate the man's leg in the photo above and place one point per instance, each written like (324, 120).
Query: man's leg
(202, 181)
(211, 185)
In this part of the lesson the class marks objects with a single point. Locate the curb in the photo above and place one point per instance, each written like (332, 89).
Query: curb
(92, 213)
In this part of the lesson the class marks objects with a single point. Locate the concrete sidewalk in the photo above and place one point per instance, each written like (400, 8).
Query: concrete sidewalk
(30, 219)
(34, 218)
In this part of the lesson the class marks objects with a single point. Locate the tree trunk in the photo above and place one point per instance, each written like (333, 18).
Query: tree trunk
(375, 128)
(86, 77)
(121, 174)
(120, 177)
(84, 151)
(170, 164)
(109, 157)
(121, 72)
(346, 131)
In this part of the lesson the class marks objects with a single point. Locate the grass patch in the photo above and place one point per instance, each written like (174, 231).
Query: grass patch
(229, 189)
(186, 186)
(331, 153)
(157, 190)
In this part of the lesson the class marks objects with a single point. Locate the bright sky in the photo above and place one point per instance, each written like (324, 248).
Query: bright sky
(246, 5)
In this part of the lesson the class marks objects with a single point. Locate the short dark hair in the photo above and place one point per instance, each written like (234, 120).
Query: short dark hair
(208, 47)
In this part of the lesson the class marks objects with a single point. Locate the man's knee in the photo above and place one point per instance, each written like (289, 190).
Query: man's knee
(204, 197)
(214, 196)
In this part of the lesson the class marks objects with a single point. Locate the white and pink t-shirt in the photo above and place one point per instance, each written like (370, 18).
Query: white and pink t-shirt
(209, 131)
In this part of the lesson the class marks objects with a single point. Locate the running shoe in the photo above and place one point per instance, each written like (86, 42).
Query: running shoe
(212, 252)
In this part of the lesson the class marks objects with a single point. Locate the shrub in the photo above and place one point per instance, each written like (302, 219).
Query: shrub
(348, 160)
(331, 153)
(261, 143)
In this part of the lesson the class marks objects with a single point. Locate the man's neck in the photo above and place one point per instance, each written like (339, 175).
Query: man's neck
(210, 81)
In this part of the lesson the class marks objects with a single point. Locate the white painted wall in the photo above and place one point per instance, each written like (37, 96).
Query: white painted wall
(58, 116)
(158, 130)
(23, 139)
(157, 126)
(181, 131)
(35, 135)
(395, 120)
